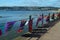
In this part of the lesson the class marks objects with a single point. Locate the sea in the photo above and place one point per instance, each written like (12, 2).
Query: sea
(8, 16)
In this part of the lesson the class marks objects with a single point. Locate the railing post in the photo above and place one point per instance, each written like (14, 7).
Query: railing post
(58, 15)
(30, 23)
(49, 17)
(42, 18)
(0, 32)
(53, 17)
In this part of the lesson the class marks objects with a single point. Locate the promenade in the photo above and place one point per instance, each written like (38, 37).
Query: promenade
(52, 34)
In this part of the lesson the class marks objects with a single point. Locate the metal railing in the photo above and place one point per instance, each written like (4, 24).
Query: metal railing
(13, 33)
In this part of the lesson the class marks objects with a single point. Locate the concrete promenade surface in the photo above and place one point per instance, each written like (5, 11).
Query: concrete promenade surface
(52, 34)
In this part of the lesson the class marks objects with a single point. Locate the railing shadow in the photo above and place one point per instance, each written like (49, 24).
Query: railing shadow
(40, 31)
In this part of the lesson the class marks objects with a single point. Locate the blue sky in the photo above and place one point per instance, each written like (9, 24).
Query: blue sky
(54, 3)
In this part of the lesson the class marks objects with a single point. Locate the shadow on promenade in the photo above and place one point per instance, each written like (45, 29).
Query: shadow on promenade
(40, 31)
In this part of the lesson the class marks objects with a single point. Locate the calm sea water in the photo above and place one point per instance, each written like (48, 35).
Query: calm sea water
(8, 16)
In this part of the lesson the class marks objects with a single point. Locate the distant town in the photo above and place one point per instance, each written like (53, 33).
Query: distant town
(28, 8)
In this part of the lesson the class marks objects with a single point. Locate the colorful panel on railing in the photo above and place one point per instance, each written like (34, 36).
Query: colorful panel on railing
(22, 25)
(38, 20)
(9, 25)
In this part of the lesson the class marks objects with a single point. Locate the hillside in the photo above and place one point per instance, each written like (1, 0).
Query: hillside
(28, 8)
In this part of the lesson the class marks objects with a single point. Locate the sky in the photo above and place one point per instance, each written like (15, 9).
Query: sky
(53, 3)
